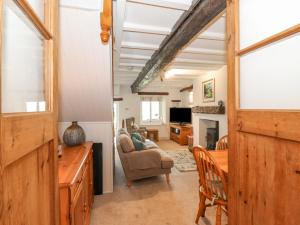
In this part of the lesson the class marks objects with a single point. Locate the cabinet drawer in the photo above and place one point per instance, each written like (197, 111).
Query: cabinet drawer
(78, 181)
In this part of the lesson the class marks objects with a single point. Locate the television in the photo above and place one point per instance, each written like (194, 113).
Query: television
(180, 115)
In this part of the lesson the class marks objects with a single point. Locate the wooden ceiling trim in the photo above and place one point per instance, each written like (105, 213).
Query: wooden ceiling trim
(153, 93)
(176, 100)
(197, 18)
(189, 88)
(118, 99)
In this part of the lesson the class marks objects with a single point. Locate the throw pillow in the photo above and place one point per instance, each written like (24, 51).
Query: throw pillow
(123, 131)
(137, 136)
(126, 143)
(139, 145)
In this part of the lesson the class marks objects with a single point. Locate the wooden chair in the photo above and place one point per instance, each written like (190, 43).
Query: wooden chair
(213, 184)
(222, 144)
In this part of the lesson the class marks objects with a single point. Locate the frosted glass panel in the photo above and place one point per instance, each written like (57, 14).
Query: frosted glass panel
(22, 64)
(270, 76)
(260, 19)
(39, 7)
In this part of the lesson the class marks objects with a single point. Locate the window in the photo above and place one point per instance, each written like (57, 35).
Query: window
(23, 65)
(151, 110)
(191, 98)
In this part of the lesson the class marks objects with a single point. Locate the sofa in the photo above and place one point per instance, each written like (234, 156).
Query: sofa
(139, 164)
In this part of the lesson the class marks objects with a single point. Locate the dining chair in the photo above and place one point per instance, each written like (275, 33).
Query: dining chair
(212, 184)
(222, 143)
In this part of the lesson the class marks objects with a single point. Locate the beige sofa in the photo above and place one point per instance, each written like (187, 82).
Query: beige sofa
(144, 163)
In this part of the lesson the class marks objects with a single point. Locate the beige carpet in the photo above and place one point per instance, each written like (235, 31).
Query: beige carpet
(151, 201)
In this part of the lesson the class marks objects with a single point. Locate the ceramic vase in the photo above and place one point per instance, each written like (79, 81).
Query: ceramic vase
(74, 135)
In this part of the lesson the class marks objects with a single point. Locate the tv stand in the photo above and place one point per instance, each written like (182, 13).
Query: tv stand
(179, 133)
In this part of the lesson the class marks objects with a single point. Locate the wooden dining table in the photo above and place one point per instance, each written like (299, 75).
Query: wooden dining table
(221, 158)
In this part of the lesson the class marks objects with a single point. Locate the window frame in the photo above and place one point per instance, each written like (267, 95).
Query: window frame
(151, 122)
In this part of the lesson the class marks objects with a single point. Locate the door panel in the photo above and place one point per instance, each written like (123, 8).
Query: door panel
(264, 142)
(22, 134)
(28, 156)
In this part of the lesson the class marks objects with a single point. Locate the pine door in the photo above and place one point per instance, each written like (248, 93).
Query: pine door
(264, 112)
(28, 160)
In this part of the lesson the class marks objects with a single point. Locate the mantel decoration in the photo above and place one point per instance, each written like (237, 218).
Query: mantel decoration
(208, 90)
(209, 109)
(74, 135)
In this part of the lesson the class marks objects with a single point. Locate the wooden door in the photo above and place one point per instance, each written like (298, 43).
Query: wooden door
(28, 160)
(264, 128)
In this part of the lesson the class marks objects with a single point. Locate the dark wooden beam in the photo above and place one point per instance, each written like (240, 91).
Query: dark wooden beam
(189, 88)
(153, 93)
(196, 19)
(175, 100)
(118, 99)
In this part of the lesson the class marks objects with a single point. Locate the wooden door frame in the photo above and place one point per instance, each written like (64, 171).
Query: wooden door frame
(232, 37)
(49, 30)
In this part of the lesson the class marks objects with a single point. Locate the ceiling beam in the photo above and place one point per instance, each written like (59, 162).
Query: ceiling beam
(196, 19)
(180, 60)
(138, 28)
(120, 13)
(153, 93)
(141, 46)
(189, 88)
(163, 4)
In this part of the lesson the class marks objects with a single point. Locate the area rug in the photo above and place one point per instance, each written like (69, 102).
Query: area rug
(183, 160)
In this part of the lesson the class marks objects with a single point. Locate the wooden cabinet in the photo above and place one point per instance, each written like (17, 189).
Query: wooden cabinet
(180, 133)
(76, 184)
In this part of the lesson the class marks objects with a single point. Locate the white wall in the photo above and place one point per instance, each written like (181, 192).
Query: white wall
(85, 80)
(130, 106)
(220, 77)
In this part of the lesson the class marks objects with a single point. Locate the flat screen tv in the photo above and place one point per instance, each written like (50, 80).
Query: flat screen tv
(180, 115)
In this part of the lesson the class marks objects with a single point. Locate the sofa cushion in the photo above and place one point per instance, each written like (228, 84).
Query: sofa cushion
(123, 131)
(142, 160)
(137, 136)
(138, 144)
(150, 144)
(166, 162)
(126, 143)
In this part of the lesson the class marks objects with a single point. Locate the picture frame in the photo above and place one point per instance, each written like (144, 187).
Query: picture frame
(208, 90)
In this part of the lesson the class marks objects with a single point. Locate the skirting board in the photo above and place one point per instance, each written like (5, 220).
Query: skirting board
(99, 132)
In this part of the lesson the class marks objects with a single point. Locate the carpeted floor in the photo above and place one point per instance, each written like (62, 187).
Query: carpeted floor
(152, 201)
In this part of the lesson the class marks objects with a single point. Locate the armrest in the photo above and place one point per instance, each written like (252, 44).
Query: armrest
(145, 159)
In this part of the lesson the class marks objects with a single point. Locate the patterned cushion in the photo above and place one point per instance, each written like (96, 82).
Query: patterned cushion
(126, 143)
(139, 145)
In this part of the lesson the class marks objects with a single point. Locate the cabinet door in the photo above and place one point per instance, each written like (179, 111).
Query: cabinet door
(86, 197)
(77, 208)
(91, 180)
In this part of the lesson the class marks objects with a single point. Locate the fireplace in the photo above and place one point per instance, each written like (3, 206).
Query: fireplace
(208, 133)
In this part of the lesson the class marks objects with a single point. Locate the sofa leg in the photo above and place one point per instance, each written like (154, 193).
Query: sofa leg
(168, 178)
(129, 183)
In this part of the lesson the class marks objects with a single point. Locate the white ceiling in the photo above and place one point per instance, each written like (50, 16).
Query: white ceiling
(141, 25)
